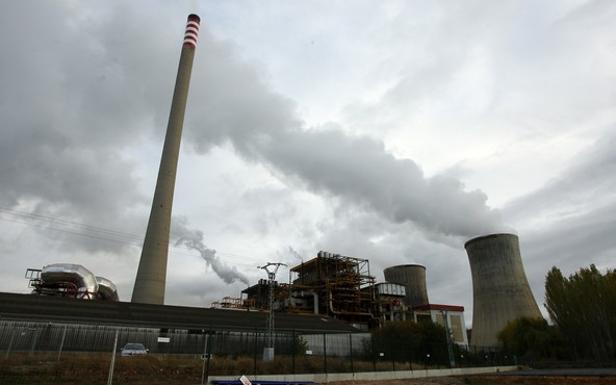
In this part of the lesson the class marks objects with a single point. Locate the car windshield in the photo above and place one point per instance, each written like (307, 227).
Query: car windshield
(134, 346)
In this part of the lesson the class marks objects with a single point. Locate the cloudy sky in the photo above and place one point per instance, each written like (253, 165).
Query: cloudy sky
(392, 131)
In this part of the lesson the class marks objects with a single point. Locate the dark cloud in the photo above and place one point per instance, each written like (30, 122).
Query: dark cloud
(569, 221)
(590, 180)
(70, 116)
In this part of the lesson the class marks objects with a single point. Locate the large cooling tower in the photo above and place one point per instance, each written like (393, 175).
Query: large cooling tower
(152, 271)
(413, 277)
(500, 288)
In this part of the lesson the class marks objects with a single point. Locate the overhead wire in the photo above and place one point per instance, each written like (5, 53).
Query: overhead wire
(47, 222)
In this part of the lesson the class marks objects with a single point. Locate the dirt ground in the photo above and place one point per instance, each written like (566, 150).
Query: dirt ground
(490, 380)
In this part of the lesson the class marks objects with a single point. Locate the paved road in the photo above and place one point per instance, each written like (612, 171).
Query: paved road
(582, 372)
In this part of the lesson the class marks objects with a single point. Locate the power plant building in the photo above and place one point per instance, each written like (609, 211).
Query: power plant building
(342, 287)
(500, 289)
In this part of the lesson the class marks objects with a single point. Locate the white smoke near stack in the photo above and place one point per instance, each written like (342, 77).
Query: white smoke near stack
(193, 239)
(234, 106)
(295, 254)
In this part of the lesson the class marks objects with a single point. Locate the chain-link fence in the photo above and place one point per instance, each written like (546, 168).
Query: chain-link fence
(57, 353)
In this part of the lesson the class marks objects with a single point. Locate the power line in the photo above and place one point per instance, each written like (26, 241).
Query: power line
(46, 222)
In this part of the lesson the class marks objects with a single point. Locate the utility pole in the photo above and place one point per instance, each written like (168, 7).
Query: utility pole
(271, 269)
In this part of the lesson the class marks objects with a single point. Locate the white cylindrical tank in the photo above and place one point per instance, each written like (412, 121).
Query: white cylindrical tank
(500, 289)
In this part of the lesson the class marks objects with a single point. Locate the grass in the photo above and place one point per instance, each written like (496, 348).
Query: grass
(157, 369)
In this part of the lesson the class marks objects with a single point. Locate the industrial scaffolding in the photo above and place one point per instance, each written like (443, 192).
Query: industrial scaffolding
(342, 286)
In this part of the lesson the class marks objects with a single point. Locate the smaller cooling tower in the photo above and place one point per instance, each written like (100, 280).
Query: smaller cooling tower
(413, 277)
(500, 289)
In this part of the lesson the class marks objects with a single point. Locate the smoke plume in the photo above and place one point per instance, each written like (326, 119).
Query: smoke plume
(193, 239)
(295, 254)
(235, 106)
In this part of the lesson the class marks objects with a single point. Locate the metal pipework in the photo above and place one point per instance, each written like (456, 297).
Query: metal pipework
(107, 290)
(500, 289)
(83, 280)
(152, 272)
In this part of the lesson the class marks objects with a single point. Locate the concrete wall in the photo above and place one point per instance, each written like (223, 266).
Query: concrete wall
(372, 376)
(500, 289)
(414, 278)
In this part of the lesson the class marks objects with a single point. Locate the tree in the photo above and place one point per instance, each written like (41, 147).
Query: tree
(532, 339)
(406, 341)
(583, 307)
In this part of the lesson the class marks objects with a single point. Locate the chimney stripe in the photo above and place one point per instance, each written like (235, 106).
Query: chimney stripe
(192, 24)
(191, 42)
(191, 36)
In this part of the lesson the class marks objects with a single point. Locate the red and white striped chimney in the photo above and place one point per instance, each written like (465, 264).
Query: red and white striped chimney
(192, 31)
(152, 272)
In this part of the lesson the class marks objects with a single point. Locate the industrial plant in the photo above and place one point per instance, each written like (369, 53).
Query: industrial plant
(328, 292)
(343, 288)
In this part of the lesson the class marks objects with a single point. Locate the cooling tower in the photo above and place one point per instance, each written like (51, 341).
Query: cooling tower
(152, 271)
(500, 289)
(413, 277)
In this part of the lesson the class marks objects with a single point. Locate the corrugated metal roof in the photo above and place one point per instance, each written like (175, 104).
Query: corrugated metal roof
(39, 308)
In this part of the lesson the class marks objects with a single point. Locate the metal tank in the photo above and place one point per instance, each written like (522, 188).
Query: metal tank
(152, 271)
(71, 279)
(500, 289)
(413, 277)
(107, 290)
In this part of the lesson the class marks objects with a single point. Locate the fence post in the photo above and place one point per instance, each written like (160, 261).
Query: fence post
(8, 349)
(207, 337)
(325, 353)
(295, 346)
(113, 357)
(373, 353)
(351, 352)
(207, 366)
(62, 342)
(255, 356)
(34, 340)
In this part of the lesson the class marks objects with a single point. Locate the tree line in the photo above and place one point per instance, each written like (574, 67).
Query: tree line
(582, 308)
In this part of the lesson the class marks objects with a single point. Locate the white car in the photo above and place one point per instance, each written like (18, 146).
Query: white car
(133, 349)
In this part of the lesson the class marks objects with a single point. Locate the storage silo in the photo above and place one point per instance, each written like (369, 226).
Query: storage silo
(413, 277)
(500, 289)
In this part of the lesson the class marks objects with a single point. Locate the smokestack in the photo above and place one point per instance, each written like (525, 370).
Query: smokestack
(500, 289)
(413, 276)
(152, 271)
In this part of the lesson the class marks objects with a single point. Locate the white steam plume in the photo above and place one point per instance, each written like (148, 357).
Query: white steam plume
(233, 105)
(295, 254)
(193, 239)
